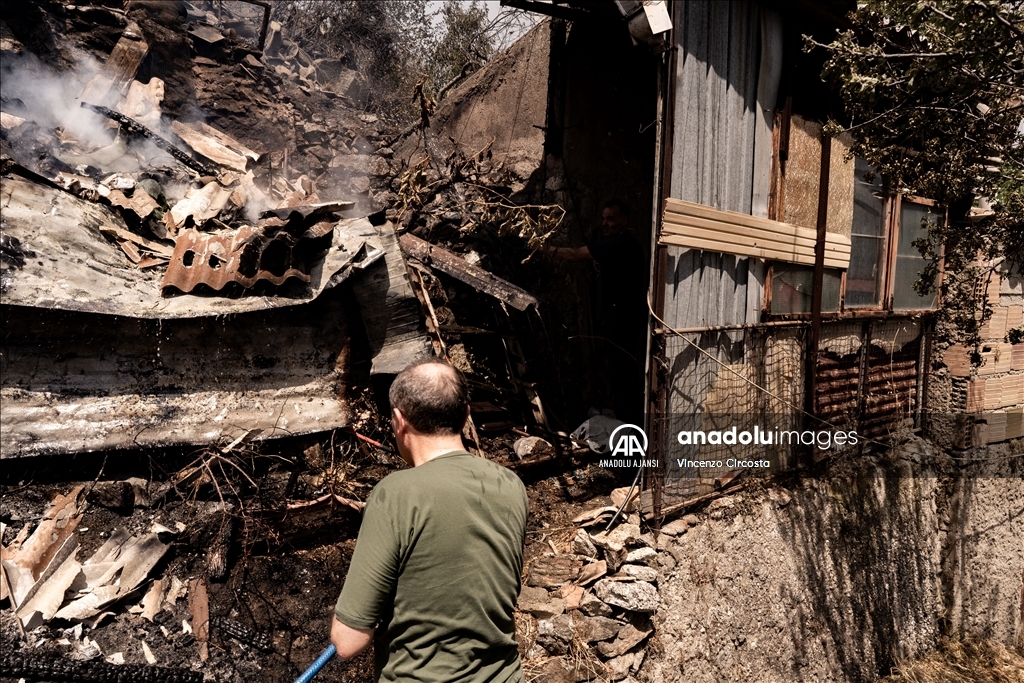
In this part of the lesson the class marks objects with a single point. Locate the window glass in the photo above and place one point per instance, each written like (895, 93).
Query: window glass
(909, 261)
(793, 286)
(867, 251)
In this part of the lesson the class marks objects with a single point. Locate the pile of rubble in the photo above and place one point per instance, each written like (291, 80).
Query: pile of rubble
(590, 604)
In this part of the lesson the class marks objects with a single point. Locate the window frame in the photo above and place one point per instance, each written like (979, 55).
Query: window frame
(884, 306)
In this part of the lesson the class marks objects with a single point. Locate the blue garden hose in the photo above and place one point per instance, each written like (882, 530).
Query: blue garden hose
(315, 667)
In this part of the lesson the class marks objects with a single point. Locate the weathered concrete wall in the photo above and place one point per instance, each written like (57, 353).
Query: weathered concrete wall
(839, 578)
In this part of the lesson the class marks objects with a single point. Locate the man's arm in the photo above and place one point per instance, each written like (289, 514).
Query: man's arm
(349, 641)
(570, 253)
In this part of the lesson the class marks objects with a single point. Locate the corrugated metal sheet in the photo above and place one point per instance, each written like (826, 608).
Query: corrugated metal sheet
(724, 65)
(93, 358)
(715, 107)
(74, 381)
(706, 288)
(885, 401)
(78, 268)
(891, 389)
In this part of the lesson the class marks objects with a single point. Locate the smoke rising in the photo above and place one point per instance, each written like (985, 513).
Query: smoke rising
(36, 92)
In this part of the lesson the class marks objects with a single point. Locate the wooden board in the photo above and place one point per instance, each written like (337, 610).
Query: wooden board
(451, 264)
(701, 227)
(119, 69)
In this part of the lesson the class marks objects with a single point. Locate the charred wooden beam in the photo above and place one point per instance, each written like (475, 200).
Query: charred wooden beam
(451, 264)
(35, 667)
(133, 127)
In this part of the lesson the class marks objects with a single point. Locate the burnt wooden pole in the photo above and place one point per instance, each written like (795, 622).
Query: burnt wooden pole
(819, 273)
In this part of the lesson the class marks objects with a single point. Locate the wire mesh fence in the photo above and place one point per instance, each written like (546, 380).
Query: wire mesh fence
(735, 400)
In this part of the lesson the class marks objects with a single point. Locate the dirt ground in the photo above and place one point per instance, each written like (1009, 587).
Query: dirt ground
(270, 614)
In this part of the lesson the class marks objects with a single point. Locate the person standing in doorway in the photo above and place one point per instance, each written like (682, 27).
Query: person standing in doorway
(622, 271)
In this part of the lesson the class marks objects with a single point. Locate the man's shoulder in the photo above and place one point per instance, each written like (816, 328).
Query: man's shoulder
(439, 472)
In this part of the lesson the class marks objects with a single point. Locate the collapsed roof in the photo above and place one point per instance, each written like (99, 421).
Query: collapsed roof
(166, 281)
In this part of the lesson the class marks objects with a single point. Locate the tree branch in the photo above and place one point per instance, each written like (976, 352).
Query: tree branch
(452, 83)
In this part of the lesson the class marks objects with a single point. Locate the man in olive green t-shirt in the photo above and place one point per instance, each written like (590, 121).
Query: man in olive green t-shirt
(435, 574)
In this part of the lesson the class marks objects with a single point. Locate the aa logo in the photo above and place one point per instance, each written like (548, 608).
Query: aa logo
(628, 441)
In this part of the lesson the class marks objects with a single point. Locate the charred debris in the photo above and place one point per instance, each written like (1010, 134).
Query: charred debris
(212, 261)
(210, 186)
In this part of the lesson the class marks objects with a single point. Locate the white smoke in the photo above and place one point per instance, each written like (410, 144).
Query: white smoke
(51, 98)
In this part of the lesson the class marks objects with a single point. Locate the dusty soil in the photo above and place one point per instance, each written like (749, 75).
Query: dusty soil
(283, 578)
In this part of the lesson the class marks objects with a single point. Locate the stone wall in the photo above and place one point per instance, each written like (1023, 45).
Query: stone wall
(833, 579)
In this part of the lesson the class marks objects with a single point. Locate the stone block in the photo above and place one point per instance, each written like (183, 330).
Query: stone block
(637, 596)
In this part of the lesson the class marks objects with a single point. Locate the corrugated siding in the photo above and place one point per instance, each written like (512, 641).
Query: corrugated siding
(715, 107)
(729, 56)
(715, 156)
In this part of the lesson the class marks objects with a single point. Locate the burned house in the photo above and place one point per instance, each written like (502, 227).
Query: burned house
(226, 249)
(782, 270)
(128, 323)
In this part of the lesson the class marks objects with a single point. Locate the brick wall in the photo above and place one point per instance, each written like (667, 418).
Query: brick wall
(995, 390)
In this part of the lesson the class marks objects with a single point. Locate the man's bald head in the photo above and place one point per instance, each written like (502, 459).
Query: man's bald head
(432, 396)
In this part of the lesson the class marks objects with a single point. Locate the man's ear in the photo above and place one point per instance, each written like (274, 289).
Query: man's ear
(398, 419)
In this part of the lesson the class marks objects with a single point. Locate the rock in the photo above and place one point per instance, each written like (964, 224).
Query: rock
(316, 134)
(629, 637)
(716, 509)
(640, 573)
(582, 545)
(666, 561)
(385, 198)
(552, 572)
(359, 184)
(592, 572)
(532, 447)
(676, 527)
(641, 556)
(555, 671)
(350, 163)
(379, 167)
(555, 634)
(615, 558)
(386, 152)
(638, 661)
(593, 606)
(637, 596)
(599, 628)
(649, 540)
(115, 495)
(691, 520)
(537, 602)
(618, 667)
(618, 538)
(618, 496)
(572, 595)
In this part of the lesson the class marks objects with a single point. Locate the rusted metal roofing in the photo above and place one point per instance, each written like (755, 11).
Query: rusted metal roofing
(244, 257)
(93, 358)
(78, 268)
